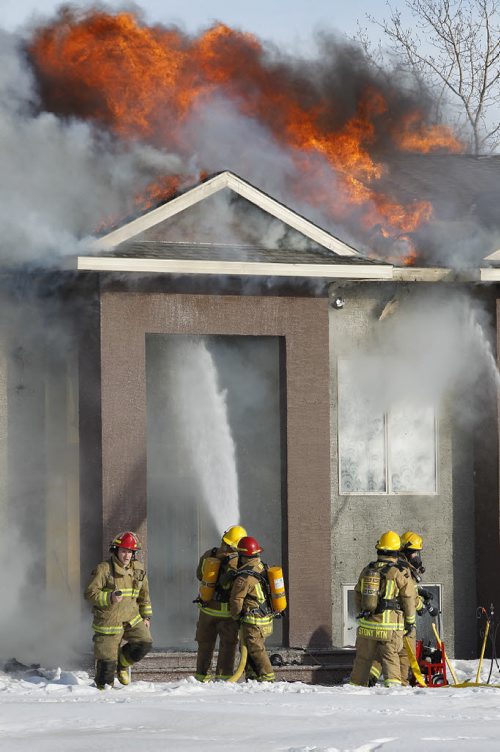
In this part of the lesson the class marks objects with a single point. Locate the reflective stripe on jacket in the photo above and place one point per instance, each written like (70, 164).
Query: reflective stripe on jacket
(108, 576)
(399, 586)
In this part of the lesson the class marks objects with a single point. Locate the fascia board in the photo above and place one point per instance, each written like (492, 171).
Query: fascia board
(170, 209)
(289, 217)
(236, 268)
(490, 275)
(495, 256)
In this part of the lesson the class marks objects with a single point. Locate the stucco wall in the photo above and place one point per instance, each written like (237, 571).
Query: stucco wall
(446, 520)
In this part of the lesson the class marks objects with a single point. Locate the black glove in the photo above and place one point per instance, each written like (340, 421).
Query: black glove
(425, 594)
(408, 629)
(432, 610)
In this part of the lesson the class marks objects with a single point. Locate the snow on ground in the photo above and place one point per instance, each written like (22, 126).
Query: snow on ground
(62, 711)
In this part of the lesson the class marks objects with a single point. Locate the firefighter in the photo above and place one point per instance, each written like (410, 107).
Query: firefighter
(411, 558)
(119, 593)
(385, 598)
(214, 618)
(250, 608)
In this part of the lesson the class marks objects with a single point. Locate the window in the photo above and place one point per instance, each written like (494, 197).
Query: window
(384, 447)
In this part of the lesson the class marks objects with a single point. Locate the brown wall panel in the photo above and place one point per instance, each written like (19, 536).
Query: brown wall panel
(125, 320)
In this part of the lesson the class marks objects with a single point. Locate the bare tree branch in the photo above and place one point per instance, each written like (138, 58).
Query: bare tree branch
(453, 47)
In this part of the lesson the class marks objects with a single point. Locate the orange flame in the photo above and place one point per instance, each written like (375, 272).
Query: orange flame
(142, 82)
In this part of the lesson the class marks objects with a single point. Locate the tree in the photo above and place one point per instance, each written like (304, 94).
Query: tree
(453, 49)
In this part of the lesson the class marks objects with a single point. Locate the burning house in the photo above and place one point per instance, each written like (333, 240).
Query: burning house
(298, 337)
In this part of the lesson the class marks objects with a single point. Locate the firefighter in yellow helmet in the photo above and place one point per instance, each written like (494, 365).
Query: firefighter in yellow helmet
(385, 599)
(411, 558)
(214, 618)
(119, 593)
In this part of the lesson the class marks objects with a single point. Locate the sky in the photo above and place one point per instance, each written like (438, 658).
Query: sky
(286, 22)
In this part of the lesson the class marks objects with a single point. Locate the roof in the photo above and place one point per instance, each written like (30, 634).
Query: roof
(143, 244)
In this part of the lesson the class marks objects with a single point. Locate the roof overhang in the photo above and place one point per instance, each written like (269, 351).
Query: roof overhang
(243, 189)
(490, 274)
(237, 268)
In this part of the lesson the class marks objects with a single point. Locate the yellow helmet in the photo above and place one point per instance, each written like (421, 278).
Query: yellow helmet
(389, 541)
(412, 540)
(233, 535)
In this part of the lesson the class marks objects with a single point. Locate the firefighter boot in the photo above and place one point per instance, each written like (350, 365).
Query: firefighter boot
(123, 673)
(104, 673)
(128, 655)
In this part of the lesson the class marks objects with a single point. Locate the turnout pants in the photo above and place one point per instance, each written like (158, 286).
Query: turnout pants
(258, 664)
(107, 649)
(208, 629)
(404, 662)
(387, 652)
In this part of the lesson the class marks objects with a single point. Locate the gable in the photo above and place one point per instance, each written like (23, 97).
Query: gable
(225, 180)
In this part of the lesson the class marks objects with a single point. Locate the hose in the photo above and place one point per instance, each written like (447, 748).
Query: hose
(448, 662)
(243, 661)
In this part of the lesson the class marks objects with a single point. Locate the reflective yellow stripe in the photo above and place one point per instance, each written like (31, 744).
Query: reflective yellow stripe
(146, 610)
(389, 589)
(103, 598)
(223, 612)
(107, 630)
(392, 683)
(255, 619)
(135, 620)
(384, 624)
(260, 595)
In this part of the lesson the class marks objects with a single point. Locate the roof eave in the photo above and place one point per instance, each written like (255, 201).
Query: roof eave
(233, 268)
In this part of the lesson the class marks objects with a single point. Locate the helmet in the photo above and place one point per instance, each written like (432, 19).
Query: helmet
(412, 540)
(248, 546)
(389, 541)
(126, 539)
(233, 535)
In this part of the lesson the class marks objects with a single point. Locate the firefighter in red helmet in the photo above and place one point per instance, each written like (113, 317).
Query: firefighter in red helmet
(248, 605)
(119, 593)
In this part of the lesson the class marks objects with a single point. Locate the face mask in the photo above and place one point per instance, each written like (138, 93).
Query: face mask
(416, 560)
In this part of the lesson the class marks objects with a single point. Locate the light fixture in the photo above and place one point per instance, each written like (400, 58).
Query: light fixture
(337, 302)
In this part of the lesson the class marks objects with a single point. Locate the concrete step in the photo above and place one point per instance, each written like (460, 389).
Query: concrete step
(310, 667)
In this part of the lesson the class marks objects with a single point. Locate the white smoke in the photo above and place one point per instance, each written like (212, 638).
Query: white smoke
(60, 179)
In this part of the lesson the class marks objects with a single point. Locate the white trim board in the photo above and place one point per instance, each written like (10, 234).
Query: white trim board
(490, 275)
(237, 268)
(242, 188)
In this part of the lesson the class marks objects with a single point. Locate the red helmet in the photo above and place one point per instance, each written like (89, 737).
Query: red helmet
(248, 546)
(128, 540)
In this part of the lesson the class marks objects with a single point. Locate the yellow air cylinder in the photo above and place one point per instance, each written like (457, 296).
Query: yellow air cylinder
(277, 585)
(209, 573)
(370, 590)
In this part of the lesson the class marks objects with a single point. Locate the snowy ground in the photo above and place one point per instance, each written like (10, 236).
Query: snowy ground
(62, 711)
